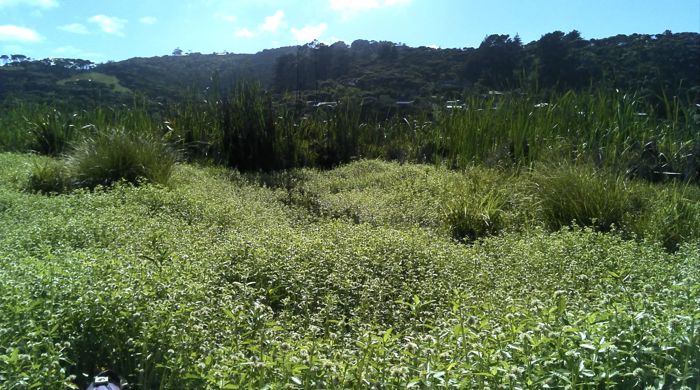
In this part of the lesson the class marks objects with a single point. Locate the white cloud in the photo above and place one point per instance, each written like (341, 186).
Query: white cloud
(434, 46)
(109, 24)
(75, 28)
(148, 20)
(46, 4)
(331, 40)
(390, 3)
(307, 34)
(243, 33)
(9, 32)
(348, 8)
(274, 22)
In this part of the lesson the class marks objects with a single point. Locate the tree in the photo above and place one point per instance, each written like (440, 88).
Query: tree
(18, 57)
(495, 61)
(387, 52)
(177, 51)
(561, 60)
(285, 73)
(5, 59)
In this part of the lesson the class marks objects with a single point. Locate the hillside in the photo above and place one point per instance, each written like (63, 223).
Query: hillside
(382, 72)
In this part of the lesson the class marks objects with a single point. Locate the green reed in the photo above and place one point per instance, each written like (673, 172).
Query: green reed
(243, 127)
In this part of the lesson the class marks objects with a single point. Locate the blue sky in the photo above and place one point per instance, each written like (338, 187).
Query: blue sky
(102, 30)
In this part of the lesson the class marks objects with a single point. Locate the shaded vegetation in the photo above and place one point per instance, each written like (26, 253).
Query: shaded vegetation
(380, 72)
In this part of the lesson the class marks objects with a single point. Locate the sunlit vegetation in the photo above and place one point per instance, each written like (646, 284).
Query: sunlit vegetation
(345, 278)
(96, 77)
(223, 237)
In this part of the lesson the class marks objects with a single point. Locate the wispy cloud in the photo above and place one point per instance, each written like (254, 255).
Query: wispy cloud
(75, 28)
(243, 33)
(353, 5)
(349, 8)
(70, 51)
(274, 22)
(148, 20)
(228, 18)
(390, 3)
(10, 32)
(309, 33)
(109, 24)
(45, 4)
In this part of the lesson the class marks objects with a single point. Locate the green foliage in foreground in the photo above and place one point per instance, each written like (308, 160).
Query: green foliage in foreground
(480, 202)
(104, 158)
(218, 282)
(110, 156)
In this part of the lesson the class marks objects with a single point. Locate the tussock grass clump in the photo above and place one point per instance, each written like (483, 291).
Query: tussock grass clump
(480, 204)
(110, 156)
(476, 214)
(49, 177)
(582, 196)
(52, 133)
(671, 215)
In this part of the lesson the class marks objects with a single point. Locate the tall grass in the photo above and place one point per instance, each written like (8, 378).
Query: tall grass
(103, 158)
(52, 134)
(600, 128)
(243, 128)
(582, 196)
(109, 156)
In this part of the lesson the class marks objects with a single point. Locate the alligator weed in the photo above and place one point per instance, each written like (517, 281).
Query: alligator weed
(353, 277)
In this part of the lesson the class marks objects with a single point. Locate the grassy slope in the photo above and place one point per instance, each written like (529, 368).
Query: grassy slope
(109, 80)
(220, 281)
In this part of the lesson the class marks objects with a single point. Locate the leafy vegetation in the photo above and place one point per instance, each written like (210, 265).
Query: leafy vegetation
(218, 281)
(542, 236)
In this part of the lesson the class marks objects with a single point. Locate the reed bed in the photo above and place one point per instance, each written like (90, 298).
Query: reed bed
(241, 127)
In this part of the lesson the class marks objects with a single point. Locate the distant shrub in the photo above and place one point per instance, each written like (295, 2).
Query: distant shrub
(582, 196)
(110, 156)
(49, 176)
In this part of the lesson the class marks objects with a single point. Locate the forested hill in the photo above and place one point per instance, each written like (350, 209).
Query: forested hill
(381, 71)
